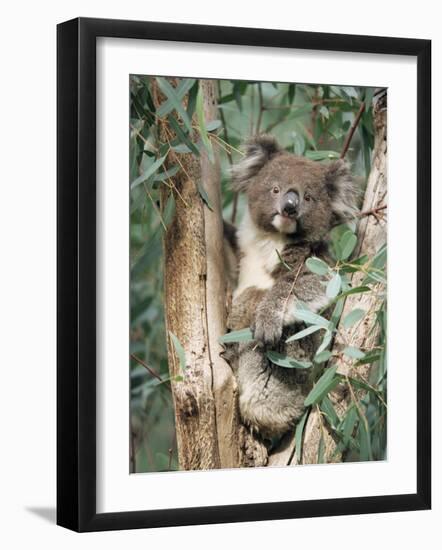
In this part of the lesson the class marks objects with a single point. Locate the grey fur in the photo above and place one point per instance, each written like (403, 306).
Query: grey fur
(258, 151)
(271, 398)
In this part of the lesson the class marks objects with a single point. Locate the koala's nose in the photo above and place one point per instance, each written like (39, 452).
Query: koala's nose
(290, 203)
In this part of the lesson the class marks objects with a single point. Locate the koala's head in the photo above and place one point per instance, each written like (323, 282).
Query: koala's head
(291, 194)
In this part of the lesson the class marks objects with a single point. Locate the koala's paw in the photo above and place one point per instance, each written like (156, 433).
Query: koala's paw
(267, 327)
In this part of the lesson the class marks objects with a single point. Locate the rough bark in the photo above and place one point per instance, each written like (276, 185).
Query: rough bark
(224, 386)
(372, 234)
(209, 433)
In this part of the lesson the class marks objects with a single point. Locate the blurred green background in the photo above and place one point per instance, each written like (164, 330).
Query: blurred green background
(307, 119)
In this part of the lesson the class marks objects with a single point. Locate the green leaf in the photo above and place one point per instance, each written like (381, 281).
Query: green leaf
(304, 333)
(361, 385)
(368, 98)
(380, 258)
(284, 263)
(169, 173)
(317, 266)
(179, 351)
(355, 290)
(364, 439)
(204, 195)
(311, 318)
(202, 125)
(180, 91)
(149, 172)
(299, 433)
(374, 277)
(169, 210)
(181, 148)
(291, 93)
(347, 244)
(191, 99)
(325, 342)
(322, 357)
(287, 362)
(321, 155)
(213, 125)
(323, 111)
(175, 101)
(334, 286)
(243, 335)
(350, 91)
(184, 138)
(336, 315)
(369, 358)
(239, 88)
(330, 413)
(298, 144)
(348, 424)
(354, 352)
(326, 383)
(353, 317)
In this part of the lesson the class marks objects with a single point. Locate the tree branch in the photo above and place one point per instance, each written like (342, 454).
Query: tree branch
(352, 130)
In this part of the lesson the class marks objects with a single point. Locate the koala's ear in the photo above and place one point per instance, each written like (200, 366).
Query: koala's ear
(342, 191)
(258, 150)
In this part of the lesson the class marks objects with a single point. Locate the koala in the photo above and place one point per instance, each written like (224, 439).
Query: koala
(292, 204)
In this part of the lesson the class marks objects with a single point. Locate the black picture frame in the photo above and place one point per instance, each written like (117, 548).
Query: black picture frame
(76, 273)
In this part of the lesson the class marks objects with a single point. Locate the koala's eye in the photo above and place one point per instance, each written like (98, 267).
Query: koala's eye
(275, 190)
(307, 197)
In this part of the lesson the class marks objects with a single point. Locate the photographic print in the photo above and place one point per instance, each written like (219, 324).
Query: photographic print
(258, 290)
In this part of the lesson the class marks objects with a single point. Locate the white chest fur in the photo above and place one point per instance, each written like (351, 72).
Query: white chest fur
(259, 256)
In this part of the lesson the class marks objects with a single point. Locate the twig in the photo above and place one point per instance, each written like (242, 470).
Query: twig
(149, 369)
(352, 130)
(234, 208)
(157, 210)
(292, 287)
(132, 446)
(261, 108)
(150, 146)
(373, 212)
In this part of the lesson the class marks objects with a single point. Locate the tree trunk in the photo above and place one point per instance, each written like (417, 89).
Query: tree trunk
(206, 415)
(372, 234)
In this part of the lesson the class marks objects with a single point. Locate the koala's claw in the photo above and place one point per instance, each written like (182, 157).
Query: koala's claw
(267, 329)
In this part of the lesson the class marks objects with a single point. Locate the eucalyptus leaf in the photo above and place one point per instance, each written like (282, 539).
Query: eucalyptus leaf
(330, 413)
(364, 439)
(322, 357)
(334, 286)
(355, 353)
(287, 362)
(179, 351)
(204, 195)
(180, 91)
(243, 335)
(169, 173)
(326, 341)
(213, 125)
(149, 172)
(175, 101)
(317, 266)
(182, 136)
(304, 333)
(347, 244)
(299, 433)
(326, 383)
(321, 155)
(353, 317)
(311, 318)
